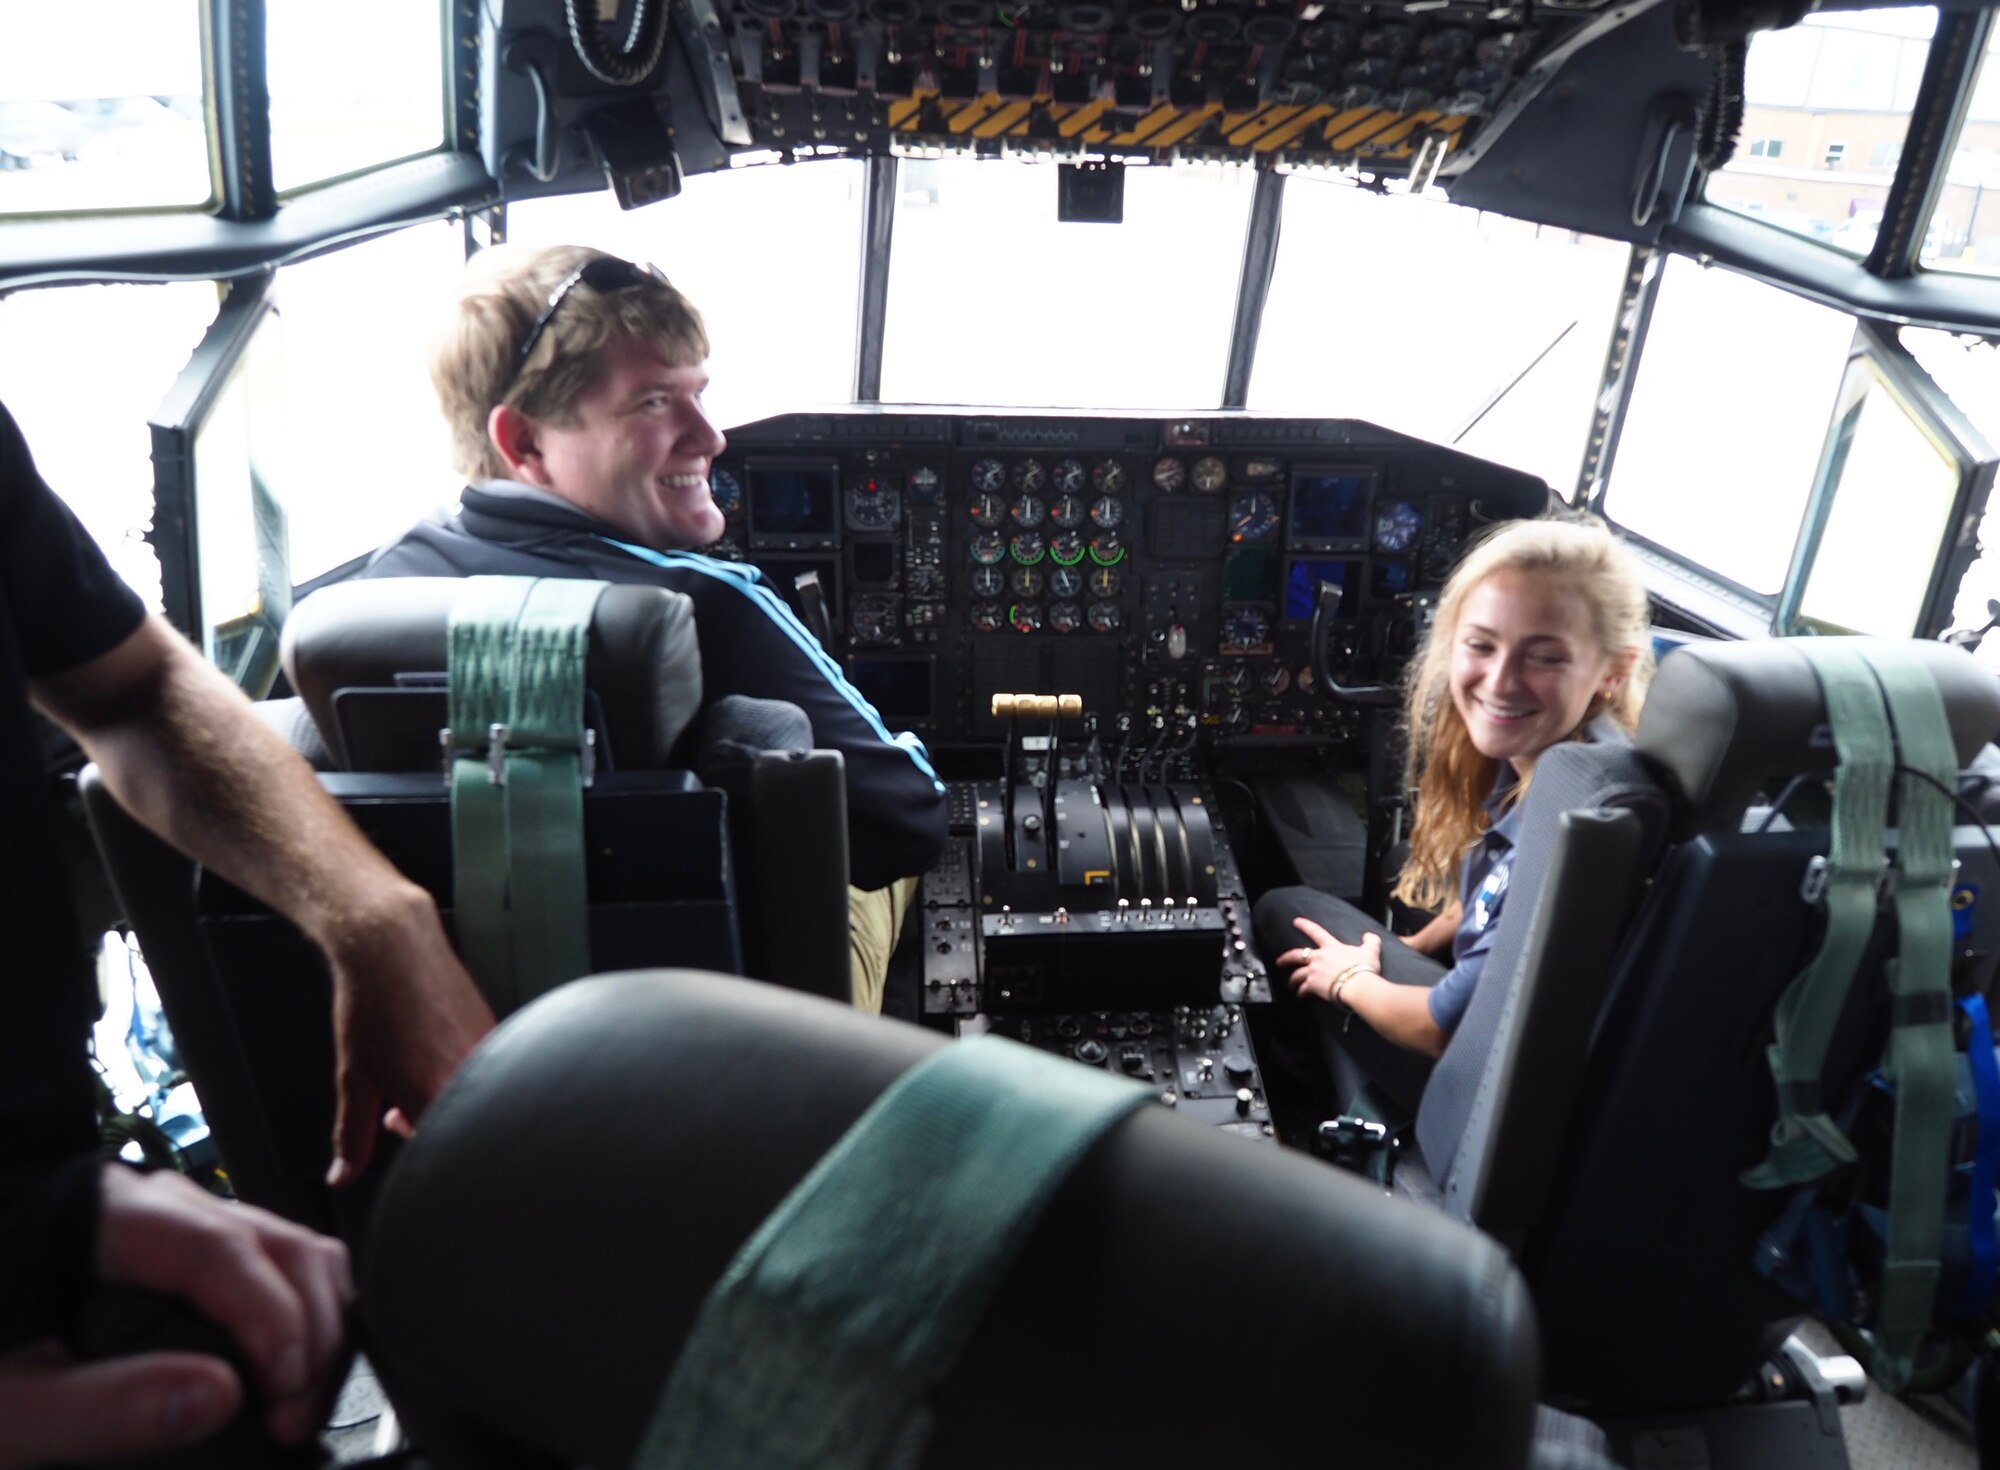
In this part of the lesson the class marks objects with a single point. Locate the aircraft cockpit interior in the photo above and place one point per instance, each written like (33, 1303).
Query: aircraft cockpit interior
(1104, 401)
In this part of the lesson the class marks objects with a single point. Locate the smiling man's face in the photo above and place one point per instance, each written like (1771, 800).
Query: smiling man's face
(638, 449)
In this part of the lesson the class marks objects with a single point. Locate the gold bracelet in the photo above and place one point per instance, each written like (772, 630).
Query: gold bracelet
(1340, 982)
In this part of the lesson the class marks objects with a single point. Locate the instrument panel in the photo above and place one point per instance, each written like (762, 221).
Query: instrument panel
(1169, 571)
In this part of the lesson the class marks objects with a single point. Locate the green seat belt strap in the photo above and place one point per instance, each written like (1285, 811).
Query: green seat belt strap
(1920, 1060)
(1805, 1141)
(821, 1344)
(516, 711)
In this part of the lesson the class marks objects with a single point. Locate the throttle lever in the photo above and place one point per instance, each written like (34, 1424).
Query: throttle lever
(812, 607)
(1326, 608)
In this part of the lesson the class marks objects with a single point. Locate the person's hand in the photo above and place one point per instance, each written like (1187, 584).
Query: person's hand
(278, 1289)
(1316, 969)
(57, 1410)
(405, 1014)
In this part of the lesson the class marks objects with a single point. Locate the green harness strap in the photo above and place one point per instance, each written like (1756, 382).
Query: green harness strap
(1805, 1142)
(1920, 1060)
(517, 651)
(822, 1342)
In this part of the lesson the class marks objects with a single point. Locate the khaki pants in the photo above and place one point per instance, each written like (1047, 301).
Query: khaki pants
(874, 919)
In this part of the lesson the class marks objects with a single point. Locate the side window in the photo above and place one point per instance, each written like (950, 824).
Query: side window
(84, 408)
(1736, 383)
(1881, 509)
(366, 453)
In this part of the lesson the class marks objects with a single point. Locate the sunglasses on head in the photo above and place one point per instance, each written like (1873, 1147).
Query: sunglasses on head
(603, 274)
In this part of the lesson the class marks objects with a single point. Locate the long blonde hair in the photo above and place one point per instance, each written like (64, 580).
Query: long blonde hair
(1452, 780)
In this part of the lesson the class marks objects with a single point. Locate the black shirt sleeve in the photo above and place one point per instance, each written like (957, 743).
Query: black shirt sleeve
(65, 603)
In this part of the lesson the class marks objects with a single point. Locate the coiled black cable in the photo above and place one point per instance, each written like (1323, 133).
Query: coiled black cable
(1722, 116)
(629, 64)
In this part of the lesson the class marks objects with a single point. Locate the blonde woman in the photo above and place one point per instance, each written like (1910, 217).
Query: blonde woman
(1541, 636)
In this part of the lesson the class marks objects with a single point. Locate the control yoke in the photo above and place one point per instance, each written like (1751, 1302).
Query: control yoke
(1326, 610)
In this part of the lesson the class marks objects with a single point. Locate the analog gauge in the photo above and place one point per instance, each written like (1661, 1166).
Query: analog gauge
(987, 616)
(924, 485)
(988, 582)
(1169, 473)
(1246, 627)
(1030, 476)
(989, 511)
(1209, 474)
(1237, 680)
(1027, 511)
(1065, 617)
(728, 492)
(1104, 582)
(1066, 548)
(1069, 477)
(1108, 478)
(987, 475)
(1026, 617)
(989, 548)
(872, 506)
(1028, 547)
(1253, 517)
(1396, 526)
(873, 620)
(1106, 549)
(1107, 512)
(1106, 617)
(1276, 680)
(1065, 582)
(1028, 581)
(1067, 512)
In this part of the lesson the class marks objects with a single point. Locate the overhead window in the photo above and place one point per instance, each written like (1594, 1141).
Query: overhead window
(1439, 321)
(1736, 384)
(993, 300)
(101, 107)
(1828, 106)
(1964, 233)
(770, 255)
(353, 86)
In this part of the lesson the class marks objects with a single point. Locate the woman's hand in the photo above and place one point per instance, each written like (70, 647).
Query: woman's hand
(1316, 969)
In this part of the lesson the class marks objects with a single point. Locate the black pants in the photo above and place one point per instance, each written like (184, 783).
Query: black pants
(1356, 1054)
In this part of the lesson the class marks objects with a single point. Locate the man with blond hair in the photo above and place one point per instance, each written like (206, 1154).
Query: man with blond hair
(572, 382)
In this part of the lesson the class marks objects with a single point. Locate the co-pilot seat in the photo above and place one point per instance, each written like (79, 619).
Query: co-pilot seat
(1185, 1298)
(1609, 1082)
(249, 1000)
(368, 658)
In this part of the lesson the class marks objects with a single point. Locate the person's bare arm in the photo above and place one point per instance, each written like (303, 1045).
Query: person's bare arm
(1351, 975)
(1434, 939)
(182, 750)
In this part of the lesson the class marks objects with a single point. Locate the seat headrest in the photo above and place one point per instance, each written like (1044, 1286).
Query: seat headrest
(1726, 720)
(642, 662)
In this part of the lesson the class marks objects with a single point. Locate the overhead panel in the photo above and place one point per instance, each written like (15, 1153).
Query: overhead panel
(1303, 84)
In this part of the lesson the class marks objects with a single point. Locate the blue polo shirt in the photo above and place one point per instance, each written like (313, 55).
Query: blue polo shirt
(1482, 888)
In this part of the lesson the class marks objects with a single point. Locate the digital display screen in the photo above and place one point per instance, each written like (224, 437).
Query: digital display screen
(1250, 574)
(794, 500)
(899, 688)
(1302, 586)
(1330, 508)
(1390, 579)
(873, 563)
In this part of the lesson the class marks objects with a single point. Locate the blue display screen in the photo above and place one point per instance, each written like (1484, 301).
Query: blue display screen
(1302, 586)
(1330, 507)
(794, 500)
